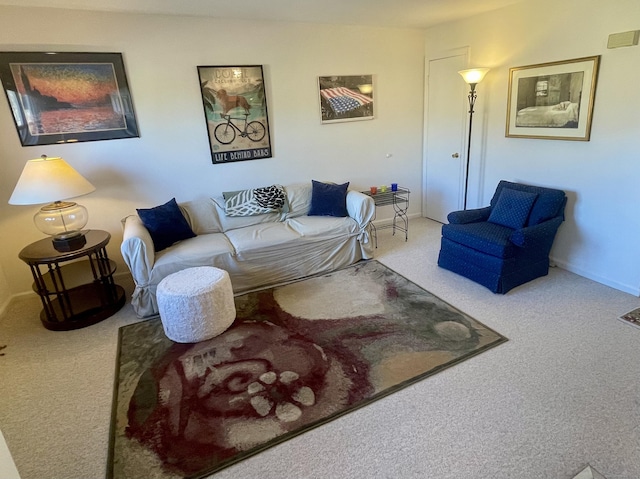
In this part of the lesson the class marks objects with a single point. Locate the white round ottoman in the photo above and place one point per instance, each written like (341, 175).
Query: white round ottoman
(196, 304)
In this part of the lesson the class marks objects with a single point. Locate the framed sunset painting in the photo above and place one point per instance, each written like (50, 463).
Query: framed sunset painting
(67, 97)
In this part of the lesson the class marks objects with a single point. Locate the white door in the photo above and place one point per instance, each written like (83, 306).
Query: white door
(447, 105)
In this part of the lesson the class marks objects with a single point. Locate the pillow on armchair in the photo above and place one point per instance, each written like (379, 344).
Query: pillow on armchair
(512, 208)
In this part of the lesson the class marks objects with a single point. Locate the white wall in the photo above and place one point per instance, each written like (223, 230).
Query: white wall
(4, 290)
(172, 158)
(599, 237)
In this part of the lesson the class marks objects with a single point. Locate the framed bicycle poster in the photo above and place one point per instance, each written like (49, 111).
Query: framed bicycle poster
(67, 97)
(235, 111)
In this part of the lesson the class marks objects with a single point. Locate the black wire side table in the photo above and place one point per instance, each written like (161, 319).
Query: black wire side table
(77, 293)
(400, 201)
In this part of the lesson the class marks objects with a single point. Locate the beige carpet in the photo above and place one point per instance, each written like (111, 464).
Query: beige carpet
(562, 394)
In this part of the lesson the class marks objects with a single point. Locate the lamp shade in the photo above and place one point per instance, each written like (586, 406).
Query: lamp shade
(45, 180)
(473, 75)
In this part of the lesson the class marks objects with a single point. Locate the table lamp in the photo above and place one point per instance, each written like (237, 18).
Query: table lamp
(51, 180)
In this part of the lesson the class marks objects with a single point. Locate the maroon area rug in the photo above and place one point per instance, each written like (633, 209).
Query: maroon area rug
(296, 357)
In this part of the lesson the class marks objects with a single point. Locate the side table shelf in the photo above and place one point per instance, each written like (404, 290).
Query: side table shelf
(80, 292)
(400, 201)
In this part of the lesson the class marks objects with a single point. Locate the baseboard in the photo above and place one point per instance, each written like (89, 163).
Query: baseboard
(5, 305)
(124, 276)
(625, 288)
(634, 290)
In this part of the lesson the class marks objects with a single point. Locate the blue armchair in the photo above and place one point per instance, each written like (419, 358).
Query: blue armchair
(507, 243)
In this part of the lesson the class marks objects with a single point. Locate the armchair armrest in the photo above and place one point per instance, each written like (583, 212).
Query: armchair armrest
(539, 236)
(469, 216)
(137, 249)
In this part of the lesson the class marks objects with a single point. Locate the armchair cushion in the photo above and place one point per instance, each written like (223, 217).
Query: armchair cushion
(483, 236)
(512, 208)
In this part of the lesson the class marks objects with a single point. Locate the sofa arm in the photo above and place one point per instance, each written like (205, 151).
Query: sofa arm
(539, 237)
(469, 216)
(360, 207)
(137, 249)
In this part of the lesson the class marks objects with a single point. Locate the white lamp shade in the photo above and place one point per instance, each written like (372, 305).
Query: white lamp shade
(45, 180)
(473, 75)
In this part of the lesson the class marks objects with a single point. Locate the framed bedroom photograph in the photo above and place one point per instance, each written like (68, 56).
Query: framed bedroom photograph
(346, 98)
(68, 97)
(552, 101)
(235, 112)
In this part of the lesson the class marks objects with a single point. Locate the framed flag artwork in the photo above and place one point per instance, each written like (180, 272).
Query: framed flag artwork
(346, 98)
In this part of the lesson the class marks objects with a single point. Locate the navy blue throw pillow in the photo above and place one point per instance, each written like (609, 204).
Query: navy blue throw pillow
(328, 199)
(512, 208)
(166, 224)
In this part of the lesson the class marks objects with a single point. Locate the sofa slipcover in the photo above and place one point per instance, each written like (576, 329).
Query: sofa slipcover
(256, 251)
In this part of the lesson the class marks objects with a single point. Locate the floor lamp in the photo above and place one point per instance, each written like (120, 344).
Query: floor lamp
(472, 76)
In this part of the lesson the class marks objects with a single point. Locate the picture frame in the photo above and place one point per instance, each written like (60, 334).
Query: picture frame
(346, 98)
(234, 102)
(552, 101)
(68, 97)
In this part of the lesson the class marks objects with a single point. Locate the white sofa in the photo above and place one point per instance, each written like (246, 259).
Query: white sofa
(257, 251)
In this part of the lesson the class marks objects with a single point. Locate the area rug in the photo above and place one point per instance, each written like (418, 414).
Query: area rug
(296, 357)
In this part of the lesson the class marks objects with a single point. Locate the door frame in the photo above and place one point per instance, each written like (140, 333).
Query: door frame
(461, 51)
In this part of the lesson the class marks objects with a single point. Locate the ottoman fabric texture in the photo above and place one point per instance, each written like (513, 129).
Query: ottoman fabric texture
(196, 304)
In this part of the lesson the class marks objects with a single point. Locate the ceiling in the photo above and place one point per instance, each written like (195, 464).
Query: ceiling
(383, 13)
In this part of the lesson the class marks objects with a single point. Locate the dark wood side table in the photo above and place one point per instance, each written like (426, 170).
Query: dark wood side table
(82, 291)
(399, 199)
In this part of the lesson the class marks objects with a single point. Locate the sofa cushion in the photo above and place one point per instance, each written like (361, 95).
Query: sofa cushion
(485, 237)
(323, 226)
(166, 224)
(261, 239)
(201, 215)
(298, 200)
(328, 199)
(205, 250)
(512, 208)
